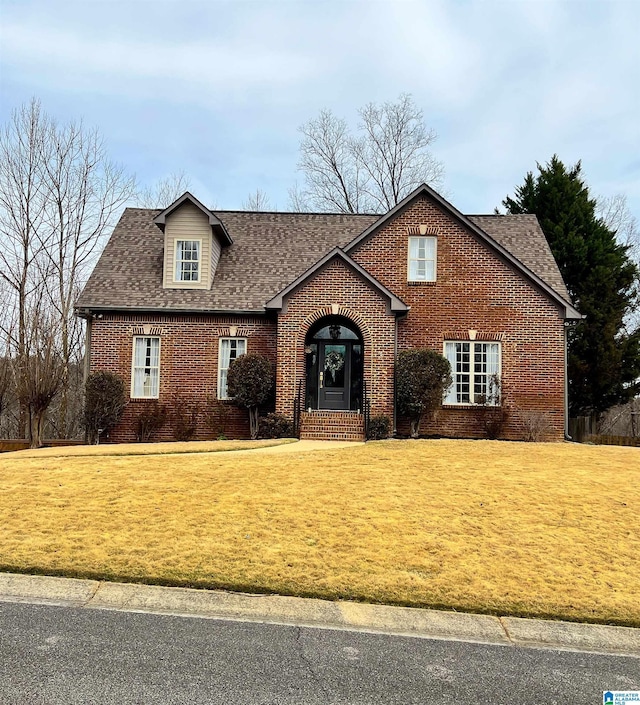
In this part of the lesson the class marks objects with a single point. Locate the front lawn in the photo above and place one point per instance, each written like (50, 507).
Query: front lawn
(167, 448)
(547, 530)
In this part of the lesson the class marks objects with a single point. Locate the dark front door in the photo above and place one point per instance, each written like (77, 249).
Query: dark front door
(335, 374)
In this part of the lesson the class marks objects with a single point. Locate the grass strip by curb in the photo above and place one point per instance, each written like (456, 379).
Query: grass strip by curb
(249, 589)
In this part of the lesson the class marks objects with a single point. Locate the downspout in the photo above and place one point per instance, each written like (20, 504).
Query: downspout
(567, 437)
(87, 348)
(395, 364)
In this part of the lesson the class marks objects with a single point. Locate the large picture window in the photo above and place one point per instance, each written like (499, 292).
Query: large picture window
(187, 260)
(422, 259)
(145, 383)
(230, 349)
(475, 368)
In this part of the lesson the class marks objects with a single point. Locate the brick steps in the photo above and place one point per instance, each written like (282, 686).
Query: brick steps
(332, 425)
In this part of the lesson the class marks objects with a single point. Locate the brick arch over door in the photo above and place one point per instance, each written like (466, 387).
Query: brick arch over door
(337, 291)
(329, 312)
(336, 311)
(346, 316)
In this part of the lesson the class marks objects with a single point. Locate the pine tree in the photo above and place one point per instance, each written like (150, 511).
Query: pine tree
(604, 356)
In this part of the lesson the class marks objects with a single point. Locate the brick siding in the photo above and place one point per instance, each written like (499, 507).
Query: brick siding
(475, 291)
(188, 365)
(337, 290)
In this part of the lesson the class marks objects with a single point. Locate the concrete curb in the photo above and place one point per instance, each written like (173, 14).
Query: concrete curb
(278, 609)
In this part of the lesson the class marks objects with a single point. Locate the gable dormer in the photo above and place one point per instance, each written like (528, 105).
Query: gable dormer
(193, 240)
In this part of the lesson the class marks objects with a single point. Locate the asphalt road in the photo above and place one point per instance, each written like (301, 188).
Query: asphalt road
(65, 656)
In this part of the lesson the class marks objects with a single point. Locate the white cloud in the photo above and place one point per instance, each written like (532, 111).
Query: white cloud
(219, 88)
(68, 57)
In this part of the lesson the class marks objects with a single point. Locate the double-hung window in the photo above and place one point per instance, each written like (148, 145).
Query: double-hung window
(475, 368)
(145, 383)
(230, 350)
(187, 261)
(422, 259)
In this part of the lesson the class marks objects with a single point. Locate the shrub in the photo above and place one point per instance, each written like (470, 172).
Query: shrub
(379, 428)
(492, 408)
(422, 376)
(216, 414)
(104, 402)
(149, 421)
(250, 383)
(276, 426)
(184, 417)
(536, 425)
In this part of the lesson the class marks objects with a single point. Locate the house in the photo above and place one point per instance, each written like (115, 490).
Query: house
(331, 299)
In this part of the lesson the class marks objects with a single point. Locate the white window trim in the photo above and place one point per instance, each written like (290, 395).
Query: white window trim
(220, 368)
(175, 260)
(471, 371)
(133, 366)
(435, 258)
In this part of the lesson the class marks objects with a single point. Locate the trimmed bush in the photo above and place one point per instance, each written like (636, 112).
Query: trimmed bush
(104, 402)
(536, 425)
(184, 417)
(492, 409)
(422, 376)
(149, 421)
(250, 383)
(276, 426)
(216, 416)
(379, 428)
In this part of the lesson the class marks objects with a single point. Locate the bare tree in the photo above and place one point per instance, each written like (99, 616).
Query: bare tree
(164, 192)
(394, 152)
(298, 201)
(372, 170)
(23, 236)
(615, 213)
(39, 373)
(333, 176)
(84, 192)
(5, 383)
(257, 201)
(59, 196)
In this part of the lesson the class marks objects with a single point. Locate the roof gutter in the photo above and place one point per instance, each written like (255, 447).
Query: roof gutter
(95, 311)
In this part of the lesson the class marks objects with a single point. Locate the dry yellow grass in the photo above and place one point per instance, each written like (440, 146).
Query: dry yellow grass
(529, 529)
(149, 448)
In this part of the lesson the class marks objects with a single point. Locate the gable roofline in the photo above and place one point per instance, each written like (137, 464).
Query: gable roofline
(570, 311)
(396, 304)
(216, 224)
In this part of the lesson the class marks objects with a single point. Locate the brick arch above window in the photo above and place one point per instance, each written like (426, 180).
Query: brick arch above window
(471, 334)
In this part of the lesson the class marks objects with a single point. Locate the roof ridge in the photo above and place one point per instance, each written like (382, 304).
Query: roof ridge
(348, 215)
(236, 210)
(500, 215)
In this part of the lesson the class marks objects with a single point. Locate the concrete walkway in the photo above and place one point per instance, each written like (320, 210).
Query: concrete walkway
(276, 609)
(300, 447)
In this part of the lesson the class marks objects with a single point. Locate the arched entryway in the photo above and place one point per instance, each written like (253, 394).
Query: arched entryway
(334, 362)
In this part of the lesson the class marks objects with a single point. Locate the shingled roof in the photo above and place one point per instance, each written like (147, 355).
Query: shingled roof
(269, 251)
(522, 236)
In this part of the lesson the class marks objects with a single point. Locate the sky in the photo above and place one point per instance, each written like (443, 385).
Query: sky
(219, 89)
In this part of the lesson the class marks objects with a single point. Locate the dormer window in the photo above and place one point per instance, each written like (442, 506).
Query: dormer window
(422, 259)
(187, 260)
(193, 241)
